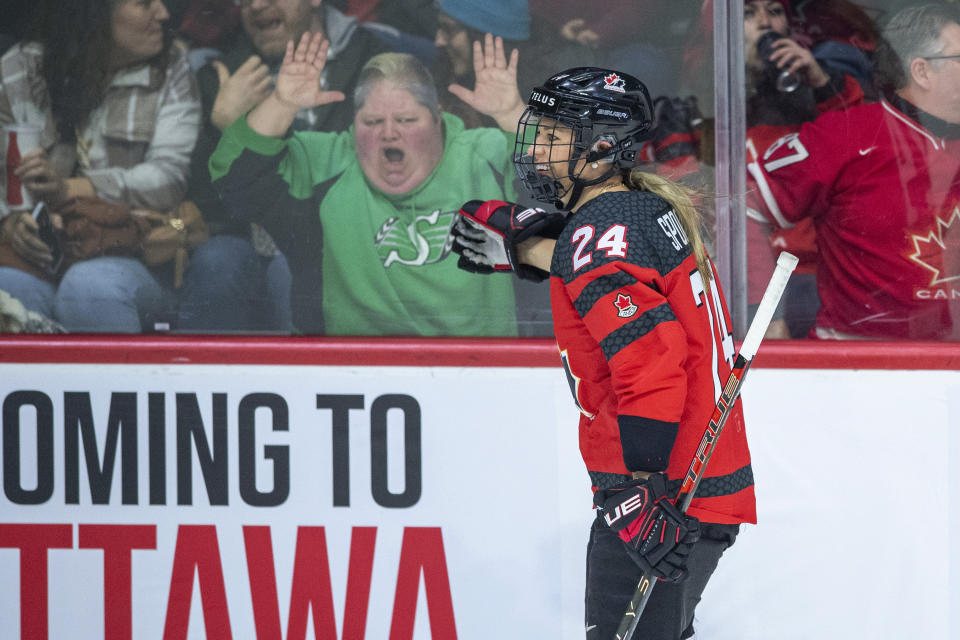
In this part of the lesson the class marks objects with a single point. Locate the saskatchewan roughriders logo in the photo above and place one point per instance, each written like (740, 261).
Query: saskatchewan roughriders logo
(939, 253)
(424, 241)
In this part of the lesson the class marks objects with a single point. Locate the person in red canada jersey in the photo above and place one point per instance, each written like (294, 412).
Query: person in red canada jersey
(644, 336)
(771, 114)
(771, 47)
(880, 182)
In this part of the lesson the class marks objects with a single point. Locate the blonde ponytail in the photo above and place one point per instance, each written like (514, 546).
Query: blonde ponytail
(681, 199)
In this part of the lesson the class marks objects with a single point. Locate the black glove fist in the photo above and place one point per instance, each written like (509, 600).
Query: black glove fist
(658, 537)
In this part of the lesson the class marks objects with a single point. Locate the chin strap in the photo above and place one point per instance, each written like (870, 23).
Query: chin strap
(578, 184)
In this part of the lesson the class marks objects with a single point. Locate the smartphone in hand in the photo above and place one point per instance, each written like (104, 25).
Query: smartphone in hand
(48, 234)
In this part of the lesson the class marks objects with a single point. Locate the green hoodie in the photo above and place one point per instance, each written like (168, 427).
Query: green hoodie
(386, 260)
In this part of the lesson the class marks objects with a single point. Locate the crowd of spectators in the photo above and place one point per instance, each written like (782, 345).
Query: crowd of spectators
(333, 217)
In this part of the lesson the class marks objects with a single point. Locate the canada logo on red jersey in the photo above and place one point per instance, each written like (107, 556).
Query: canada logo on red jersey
(625, 306)
(939, 250)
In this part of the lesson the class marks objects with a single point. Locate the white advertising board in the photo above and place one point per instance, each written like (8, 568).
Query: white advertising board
(258, 501)
(439, 516)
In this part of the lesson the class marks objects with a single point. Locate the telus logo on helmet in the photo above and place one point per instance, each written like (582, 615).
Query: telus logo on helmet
(542, 99)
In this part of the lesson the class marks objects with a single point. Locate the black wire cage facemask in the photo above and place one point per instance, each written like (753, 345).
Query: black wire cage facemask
(597, 105)
(541, 160)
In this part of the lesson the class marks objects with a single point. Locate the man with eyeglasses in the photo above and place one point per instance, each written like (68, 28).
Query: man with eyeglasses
(236, 281)
(880, 182)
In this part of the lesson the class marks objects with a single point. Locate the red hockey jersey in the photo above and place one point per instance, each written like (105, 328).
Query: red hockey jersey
(883, 192)
(767, 236)
(646, 344)
(771, 115)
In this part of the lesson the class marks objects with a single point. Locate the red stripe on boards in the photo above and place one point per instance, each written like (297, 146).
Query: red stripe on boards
(436, 352)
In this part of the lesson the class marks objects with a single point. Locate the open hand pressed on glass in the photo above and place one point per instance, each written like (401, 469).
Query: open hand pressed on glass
(299, 82)
(495, 92)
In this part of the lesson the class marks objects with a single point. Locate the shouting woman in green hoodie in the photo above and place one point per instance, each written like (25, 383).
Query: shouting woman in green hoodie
(388, 190)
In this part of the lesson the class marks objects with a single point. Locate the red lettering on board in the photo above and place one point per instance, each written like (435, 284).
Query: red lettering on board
(117, 542)
(422, 549)
(197, 553)
(33, 540)
(197, 550)
(311, 590)
(358, 582)
(263, 582)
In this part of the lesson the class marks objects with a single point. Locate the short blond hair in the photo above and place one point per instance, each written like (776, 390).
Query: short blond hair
(405, 71)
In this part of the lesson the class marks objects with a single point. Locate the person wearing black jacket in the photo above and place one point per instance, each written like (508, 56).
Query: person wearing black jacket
(238, 280)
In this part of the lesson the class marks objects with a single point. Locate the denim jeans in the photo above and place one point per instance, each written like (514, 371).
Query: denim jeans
(612, 578)
(35, 294)
(108, 294)
(228, 286)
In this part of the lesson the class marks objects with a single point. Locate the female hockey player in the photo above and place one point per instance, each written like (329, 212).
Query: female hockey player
(644, 336)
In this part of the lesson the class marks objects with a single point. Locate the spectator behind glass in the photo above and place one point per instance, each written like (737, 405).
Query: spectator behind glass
(407, 26)
(388, 190)
(842, 36)
(238, 281)
(771, 114)
(415, 17)
(880, 183)
(461, 25)
(207, 28)
(120, 114)
(631, 35)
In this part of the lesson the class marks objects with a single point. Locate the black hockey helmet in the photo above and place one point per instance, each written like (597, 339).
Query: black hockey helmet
(597, 105)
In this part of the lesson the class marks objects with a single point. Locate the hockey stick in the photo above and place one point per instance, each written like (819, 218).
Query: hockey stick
(731, 390)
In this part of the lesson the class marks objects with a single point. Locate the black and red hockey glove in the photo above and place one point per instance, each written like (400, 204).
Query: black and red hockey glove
(486, 235)
(658, 537)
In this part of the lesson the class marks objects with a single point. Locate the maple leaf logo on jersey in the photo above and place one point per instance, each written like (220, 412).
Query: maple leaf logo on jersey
(614, 83)
(939, 250)
(625, 306)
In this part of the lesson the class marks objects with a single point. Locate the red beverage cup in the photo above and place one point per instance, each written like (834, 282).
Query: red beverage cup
(18, 140)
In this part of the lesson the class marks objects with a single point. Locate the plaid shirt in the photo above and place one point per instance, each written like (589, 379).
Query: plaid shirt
(136, 146)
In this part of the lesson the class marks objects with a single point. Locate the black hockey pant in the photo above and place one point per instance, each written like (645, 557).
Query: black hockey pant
(612, 578)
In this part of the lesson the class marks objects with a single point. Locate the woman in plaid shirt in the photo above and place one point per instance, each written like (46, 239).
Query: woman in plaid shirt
(120, 112)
